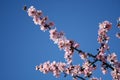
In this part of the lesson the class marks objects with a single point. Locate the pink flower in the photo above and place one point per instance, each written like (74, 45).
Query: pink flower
(103, 48)
(36, 20)
(39, 13)
(39, 19)
(102, 32)
(88, 68)
(76, 45)
(61, 66)
(55, 35)
(100, 40)
(73, 70)
(51, 24)
(112, 58)
(32, 11)
(104, 71)
(83, 55)
(101, 56)
(44, 20)
(64, 44)
(68, 57)
(53, 67)
(115, 74)
(67, 71)
(76, 70)
(105, 25)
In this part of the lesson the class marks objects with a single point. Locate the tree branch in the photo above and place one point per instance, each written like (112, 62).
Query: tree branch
(95, 59)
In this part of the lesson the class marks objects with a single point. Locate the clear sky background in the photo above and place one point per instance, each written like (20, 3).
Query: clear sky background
(23, 45)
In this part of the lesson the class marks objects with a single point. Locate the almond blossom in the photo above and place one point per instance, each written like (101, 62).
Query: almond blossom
(104, 70)
(39, 19)
(70, 46)
(53, 67)
(83, 55)
(112, 58)
(63, 43)
(74, 70)
(88, 68)
(32, 11)
(104, 27)
(116, 74)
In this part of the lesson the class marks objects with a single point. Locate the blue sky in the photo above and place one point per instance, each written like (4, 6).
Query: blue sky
(23, 45)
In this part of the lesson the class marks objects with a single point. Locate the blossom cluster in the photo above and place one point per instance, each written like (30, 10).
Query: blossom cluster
(39, 19)
(53, 67)
(63, 43)
(88, 68)
(103, 39)
(112, 58)
(69, 46)
(58, 37)
(74, 70)
(104, 27)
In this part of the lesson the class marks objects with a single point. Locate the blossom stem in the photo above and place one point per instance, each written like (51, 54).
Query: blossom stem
(93, 62)
(107, 65)
(94, 56)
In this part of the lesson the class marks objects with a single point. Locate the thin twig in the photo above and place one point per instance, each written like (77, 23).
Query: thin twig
(94, 56)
